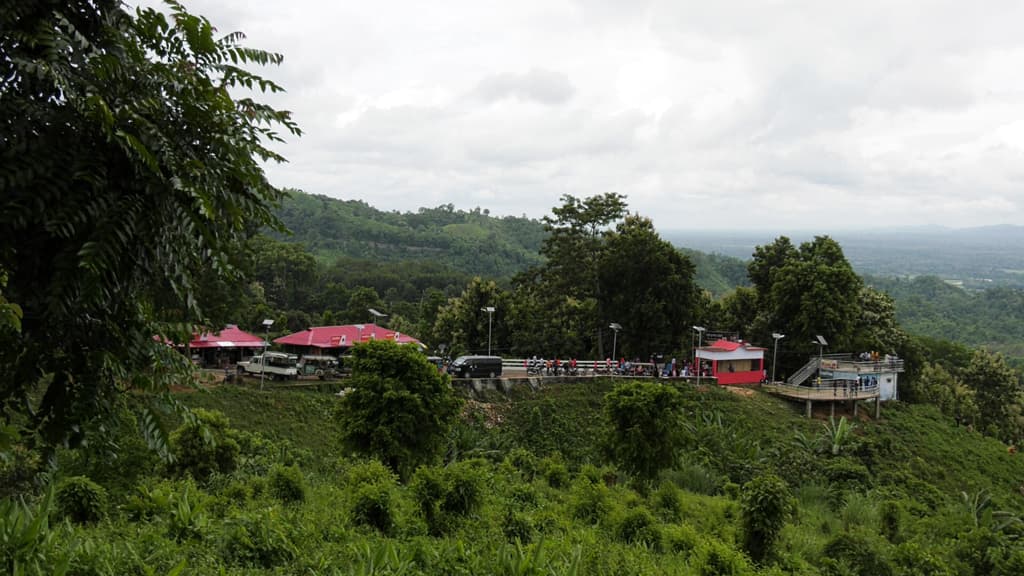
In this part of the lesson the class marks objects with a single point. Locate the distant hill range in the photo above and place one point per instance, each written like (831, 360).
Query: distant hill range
(471, 242)
(971, 257)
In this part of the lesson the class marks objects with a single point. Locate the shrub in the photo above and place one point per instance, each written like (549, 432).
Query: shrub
(445, 495)
(713, 558)
(766, 504)
(187, 519)
(694, 478)
(204, 445)
(554, 471)
(150, 501)
(287, 484)
(680, 538)
(517, 527)
(643, 432)
(81, 500)
(400, 409)
(258, 541)
(849, 553)
(371, 506)
(590, 503)
(638, 526)
(848, 474)
(524, 461)
(667, 502)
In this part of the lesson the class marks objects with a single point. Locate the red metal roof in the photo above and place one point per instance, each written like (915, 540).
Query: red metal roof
(343, 336)
(229, 337)
(729, 346)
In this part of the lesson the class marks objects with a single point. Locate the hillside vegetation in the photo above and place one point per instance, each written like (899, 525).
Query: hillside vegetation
(928, 306)
(527, 490)
(471, 242)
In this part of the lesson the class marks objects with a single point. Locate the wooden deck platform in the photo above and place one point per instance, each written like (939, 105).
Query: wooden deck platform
(828, 391)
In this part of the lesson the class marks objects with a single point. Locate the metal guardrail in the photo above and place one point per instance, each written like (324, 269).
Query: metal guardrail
(828, 390)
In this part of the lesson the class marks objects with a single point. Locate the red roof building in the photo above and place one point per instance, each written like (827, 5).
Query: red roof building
(338, 339)
(230, 337)
(225, 347)
(733, 362)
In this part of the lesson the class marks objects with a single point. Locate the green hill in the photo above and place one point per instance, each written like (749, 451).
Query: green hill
(472, 242)
(906, 495)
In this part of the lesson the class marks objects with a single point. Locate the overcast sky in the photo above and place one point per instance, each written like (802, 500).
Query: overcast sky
(784, 115)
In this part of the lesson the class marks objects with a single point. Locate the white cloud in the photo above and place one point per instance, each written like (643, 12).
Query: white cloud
(787, 114)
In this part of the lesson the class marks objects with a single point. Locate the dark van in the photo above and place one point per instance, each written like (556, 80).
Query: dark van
(476, 367)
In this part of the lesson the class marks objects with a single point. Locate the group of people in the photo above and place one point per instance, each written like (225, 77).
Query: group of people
(556, 367)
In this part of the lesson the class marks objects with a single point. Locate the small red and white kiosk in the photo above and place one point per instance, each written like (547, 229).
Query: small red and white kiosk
(733, 362)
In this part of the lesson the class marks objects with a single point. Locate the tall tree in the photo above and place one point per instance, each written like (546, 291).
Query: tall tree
(127, 171)
(805, 292)
(647, 286)
(463, 325)
(998, 394)
(400, 408)
(577, 232)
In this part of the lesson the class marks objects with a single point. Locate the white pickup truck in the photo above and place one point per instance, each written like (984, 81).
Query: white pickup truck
(279, 366)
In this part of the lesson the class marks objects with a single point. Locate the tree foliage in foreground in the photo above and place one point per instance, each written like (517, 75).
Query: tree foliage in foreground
(400, 408)
(643, 434)
(129, 178)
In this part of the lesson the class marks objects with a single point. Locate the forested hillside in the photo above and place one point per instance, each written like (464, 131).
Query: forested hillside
(471, 242)
(928, 306)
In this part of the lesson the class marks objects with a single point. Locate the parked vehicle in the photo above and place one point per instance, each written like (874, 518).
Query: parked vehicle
(323, 367)
(476, 367)
(279, 366)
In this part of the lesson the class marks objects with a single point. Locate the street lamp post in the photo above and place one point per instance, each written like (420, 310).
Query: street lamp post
(777, 336)
(267, 323)
(490, 314)
(615, 326)
(376, 318)
(820, 341)
(700, 339)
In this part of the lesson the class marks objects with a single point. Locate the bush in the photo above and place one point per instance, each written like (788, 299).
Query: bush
(849, 553)
(258, 541)
(680, 538)
(554, 471)
(667, 502)
(766, 504)
(590, 503)
(638, 526)
(445, 495)
(371, 506)
(524, 461)
(713, 558)
(81, 500)
(204, 445)
(517, 527)
(287, 484)
(400, 409)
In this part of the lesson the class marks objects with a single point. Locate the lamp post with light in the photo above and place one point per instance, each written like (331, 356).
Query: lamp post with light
(700, 339)
(820, 341)
(777, 336)
(490, 313)
(267, 323)
(615, 326)
(376, 318)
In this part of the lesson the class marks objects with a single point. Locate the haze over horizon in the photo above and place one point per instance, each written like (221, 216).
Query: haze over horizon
(786, 115)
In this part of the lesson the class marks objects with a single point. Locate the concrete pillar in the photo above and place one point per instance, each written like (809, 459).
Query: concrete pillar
(854, 407)
(878, 407)
(808, 407)
(832, 409)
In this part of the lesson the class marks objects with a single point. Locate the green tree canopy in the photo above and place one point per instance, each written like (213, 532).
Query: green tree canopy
(130, 177)
(805, 292)
(643, 433)
(400, 408)
(647, 286)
